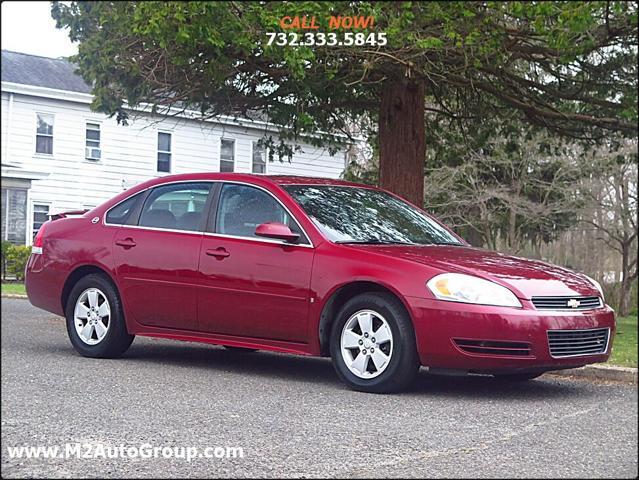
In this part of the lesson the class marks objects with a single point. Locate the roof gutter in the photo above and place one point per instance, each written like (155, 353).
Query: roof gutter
(87, 98)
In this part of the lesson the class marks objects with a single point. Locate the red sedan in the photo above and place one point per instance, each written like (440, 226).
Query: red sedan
(313, 267)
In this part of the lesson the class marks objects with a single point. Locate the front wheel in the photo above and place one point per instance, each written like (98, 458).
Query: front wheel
(95, 321)
(373, 344)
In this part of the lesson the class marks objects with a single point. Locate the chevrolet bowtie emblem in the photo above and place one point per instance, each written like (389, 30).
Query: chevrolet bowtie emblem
(574, 303)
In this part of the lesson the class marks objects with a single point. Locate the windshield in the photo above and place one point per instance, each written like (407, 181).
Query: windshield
(363, 215)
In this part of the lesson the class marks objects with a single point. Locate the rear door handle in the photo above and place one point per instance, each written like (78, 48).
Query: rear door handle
(126, 243)
(218, 252)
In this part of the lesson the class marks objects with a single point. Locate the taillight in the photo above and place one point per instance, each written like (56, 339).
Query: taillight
(37, 241)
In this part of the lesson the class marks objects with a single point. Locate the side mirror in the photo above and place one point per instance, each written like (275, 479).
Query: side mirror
(276, 230)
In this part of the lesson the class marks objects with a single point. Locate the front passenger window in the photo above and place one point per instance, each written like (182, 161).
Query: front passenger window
(242, 208)
(176, 207)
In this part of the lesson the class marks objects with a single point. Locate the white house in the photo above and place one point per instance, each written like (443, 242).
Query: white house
(58, 155)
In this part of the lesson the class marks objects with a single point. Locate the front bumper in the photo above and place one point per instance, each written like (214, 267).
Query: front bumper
(438, 323)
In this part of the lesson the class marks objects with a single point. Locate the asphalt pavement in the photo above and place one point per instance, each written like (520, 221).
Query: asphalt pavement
(291, 416)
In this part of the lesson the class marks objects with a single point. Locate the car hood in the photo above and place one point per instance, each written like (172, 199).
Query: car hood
(527, 278)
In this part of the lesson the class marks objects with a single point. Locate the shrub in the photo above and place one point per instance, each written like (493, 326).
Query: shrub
(5, 250)
(16, 260)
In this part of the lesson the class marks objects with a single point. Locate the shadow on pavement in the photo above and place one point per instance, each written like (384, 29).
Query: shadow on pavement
(320, 371)
(486, 387)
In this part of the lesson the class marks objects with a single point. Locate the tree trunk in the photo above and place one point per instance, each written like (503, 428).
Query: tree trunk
(625, 298)
(513, 244)
(474, 237)
(626, 284)
(402, 139)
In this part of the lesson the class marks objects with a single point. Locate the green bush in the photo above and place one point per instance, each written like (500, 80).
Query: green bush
(5, 250)
(16, 260)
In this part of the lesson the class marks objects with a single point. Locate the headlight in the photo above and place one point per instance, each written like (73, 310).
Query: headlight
(456, 287)
(597, 286)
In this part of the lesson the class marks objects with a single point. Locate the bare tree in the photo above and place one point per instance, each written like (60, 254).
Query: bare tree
(511, 192)
(613, 198)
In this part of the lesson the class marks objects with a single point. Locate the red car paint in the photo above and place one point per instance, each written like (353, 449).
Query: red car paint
(262, 294)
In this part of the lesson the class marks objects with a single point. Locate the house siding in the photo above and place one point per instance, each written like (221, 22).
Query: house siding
(129, 153)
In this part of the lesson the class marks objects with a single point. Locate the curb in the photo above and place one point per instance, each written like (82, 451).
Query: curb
(13, 295)
(600, 372)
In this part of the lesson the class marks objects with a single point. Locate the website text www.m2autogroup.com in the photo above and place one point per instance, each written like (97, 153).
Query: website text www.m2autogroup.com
(91, 451)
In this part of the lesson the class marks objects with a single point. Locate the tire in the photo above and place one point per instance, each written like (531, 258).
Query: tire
(518, 377)
(94, 343)
(239, 349)
(386, 313)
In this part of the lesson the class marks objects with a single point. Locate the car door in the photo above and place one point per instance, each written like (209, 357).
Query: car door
(252, 286)
(157, 256)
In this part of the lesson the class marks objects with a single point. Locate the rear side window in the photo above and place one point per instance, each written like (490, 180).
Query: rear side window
(121, 213)
(176, 207)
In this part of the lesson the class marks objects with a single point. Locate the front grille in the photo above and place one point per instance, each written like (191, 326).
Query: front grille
(491, 347)
(570, 343)
(566, 303)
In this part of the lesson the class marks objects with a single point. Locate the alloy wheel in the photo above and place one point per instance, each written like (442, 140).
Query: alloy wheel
(366, 344)
(92, 316)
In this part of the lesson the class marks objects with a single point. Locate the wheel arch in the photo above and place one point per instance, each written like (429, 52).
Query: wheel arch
(340, 296)
(77, 274)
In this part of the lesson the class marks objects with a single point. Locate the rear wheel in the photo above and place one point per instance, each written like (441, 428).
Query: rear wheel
(95, 321)
(373, 344)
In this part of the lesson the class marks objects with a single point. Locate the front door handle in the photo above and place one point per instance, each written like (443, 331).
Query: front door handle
(220, 252)
(126, 243)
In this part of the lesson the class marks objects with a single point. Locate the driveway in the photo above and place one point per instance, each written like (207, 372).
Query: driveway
(291, 416)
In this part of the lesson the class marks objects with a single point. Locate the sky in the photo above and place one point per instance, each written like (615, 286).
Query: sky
(28, 27)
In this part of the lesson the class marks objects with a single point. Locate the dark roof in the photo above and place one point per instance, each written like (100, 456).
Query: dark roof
(56, 73)
(60, 74)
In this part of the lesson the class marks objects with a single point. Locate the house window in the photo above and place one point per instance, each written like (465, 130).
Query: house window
(14, 215)
(40, 215)
(164, 152)
(93, 141)
(44, 134)
(259, 158)
(227, 155)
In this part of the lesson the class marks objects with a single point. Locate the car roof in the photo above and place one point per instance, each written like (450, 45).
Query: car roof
(301, 180)
(279, 180)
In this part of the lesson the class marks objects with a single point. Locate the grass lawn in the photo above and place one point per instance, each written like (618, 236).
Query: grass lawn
(17, 288)
(624, 350)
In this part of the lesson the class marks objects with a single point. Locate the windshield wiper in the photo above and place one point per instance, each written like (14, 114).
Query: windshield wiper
(374, 241)
(454, 244)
